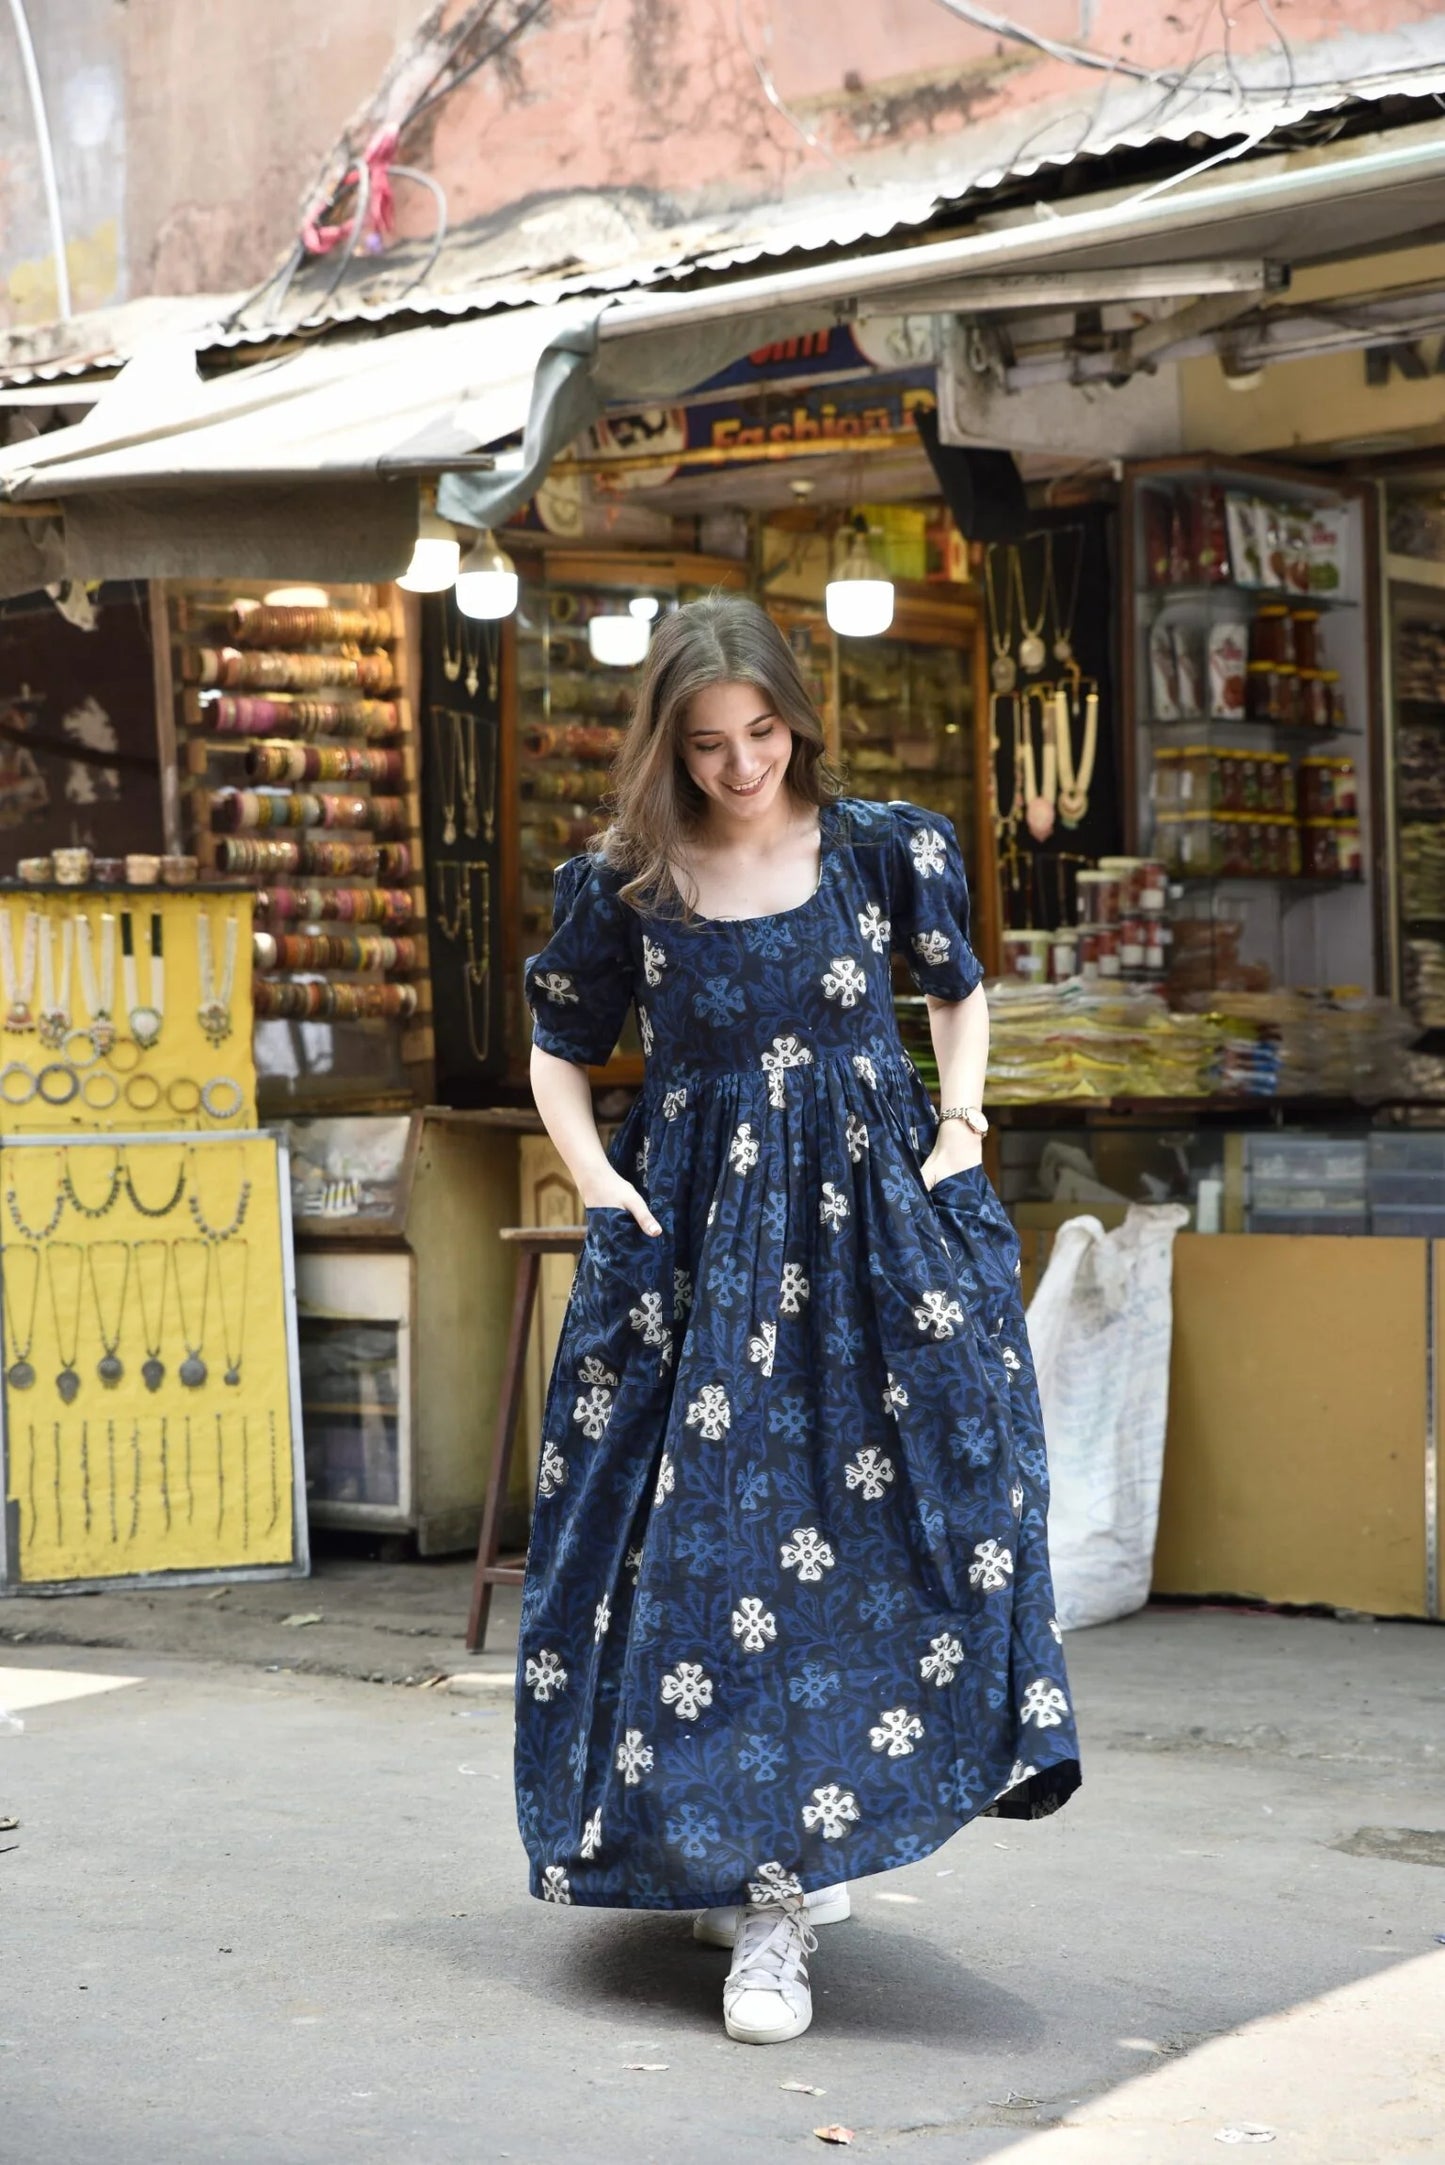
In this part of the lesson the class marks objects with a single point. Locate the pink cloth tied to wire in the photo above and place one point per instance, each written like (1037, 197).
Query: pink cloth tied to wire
(319, 240)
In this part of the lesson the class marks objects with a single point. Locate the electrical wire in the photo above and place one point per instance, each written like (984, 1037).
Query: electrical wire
(775, 99)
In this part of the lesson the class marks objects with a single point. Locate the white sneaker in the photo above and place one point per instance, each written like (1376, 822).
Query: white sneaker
(719, 1927)
(766, 1999)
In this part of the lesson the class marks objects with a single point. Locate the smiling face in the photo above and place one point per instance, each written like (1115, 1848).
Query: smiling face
(736, 748)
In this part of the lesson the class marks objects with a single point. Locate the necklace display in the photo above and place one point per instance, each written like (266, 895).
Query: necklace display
(1003, 669)
(1064, 624)
(456, 924)
(146, 1019)
(192, 1371)
(451, 655)
(20, 1375)
(98, 985)
(54, 1019)
(84, 1209)
(153, 1372)
(110, 1368)
(204, 1227)
(1032, 651)
(1075, 782)
(19, 985)
(224, 1257)
(441, 718)
(154, 1210)
(67, 1382)
(39, 1234)
(214, 1012)
(1039, 798)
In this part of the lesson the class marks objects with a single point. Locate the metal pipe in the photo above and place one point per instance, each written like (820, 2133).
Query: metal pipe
(47, 156)
(827, 286)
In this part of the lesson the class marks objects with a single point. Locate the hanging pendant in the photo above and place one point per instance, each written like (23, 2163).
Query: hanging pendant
(68, 1384)
(1063, 651)
(18, 1017)
(192, 1371)
(1073, 804)
(20, 1375)
(110, 1368)
(1039, 818)
(1004, 673)
(233, 1375)
(451, 663)
(215, 1020)
(1032, 653)
(102, 1033)
(54, 1028)
(145, 1026)
(153, 1373)
(449, 830)
(473, 680)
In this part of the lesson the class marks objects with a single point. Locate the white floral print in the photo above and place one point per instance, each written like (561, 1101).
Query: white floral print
(753, 1625)
(833, 1811)
(601, 1618)
(932, 947)
(941, 1664)
(875, 928)
(744, 1149)
(666, 1481)
(773, 1884)
(846, 981)
(787, 1052)
(644, 1029)
(593, 1411)
(1044, 1704)
(855, 1134)
(556, 1887)
(687, 1690)
(634, 1758)
(897, 1732)
(865, 1069)
(557, 986)
(928, 851)
(646, 1317)
(674, 1101)
(992, 1566)
(937, 1313)
(544, 1675)
(871, 1472)
(552, 1472)
(654, 960)
(793, 1291)
(807, 1553)
(591, 1840)
(833, 1208)
(894, 1395)
(763, 1347)
(710, 1412)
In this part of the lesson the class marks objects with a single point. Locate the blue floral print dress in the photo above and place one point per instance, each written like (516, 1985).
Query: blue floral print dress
(787, 1617)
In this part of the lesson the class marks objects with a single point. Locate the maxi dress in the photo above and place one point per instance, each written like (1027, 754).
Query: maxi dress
(787, 1616)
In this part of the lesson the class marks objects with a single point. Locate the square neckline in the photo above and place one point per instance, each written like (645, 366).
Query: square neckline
(827, 850)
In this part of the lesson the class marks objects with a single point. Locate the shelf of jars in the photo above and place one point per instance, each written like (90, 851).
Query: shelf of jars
(1417, 841)
(299, 778)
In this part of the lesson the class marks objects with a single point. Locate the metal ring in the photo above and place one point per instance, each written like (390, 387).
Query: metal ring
(88, 1038)
(192, 1105)
(57, 1067)
(209, 1094)
(136, 1082)
(127, 1067)
(16, 1067)
(99, 1105)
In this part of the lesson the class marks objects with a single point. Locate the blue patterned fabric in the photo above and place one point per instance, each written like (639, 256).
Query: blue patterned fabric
(787, 1616)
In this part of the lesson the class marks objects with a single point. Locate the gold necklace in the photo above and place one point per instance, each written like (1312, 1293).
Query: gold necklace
(1004, 669)
(452, 656)
(1032, 651)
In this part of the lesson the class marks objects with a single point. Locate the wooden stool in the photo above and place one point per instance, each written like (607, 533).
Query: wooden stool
(534, 1241)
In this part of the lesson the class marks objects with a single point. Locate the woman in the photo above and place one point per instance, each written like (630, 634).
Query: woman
(787, 1617)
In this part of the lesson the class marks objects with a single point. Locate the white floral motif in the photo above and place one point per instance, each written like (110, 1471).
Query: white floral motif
(936, 1314)
(846, 981)
(1043, 1703)
(762, 1348)
(1011, 1360)
(942, 1662)
(871, 1472)
(1017, 1773)
(710, 1411)
(591, 1840)
(808, 1552)
(640, 1162)
(687, 1690)
(793, 1291)
(593, 1411)
(928, 850)
(773, 1884)
(894, 1395)
(681, 1293)
(654, 960)
(1016, 1498)
(993, 1568)
(832, 1811)
(744, 1149)
(875, 928)
(1057, 1629)
(601, 1618)
(544, 1675)
(552, 1472)
(666, 1480)
(556, 1887)
(833, 1208)
(632, 1564)
(855, 1134)
(634, 1758)
(558, 986)
(787, 1052)
(753, 1624)
(646, 1317)
(865, 1069)
(644, 1028)
(673, 1101)
(897, 1732)
(932, 946)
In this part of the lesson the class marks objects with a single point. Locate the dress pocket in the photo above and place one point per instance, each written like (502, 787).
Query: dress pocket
(620, 1320)
(989, 1247)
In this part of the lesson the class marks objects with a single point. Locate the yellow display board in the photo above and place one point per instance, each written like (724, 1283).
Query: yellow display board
(93, 1040)
(149, 1361)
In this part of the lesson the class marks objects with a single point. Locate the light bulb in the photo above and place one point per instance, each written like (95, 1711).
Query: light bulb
(619, 641)
(643, 605)
(858, 598)
(298, 597)
(434, 559)
(487, 581)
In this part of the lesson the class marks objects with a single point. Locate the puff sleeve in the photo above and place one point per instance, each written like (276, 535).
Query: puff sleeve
(579, 986)
(929, 902)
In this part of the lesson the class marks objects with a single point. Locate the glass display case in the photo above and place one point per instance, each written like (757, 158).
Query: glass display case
(1415, 829)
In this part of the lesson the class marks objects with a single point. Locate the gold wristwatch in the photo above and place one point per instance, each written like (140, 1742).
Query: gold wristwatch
(971, 1116)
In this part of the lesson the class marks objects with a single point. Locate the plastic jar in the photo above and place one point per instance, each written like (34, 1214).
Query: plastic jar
(1098, 898)
(1025, 955)
(1306, 624)
(1153, 886)
(1132, 940)
(1261, 692)
(1271, 636)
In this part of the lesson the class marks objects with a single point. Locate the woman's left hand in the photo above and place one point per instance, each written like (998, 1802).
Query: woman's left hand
(955, 1149)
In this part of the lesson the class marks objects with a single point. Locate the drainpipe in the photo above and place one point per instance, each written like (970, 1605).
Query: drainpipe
(47, 156)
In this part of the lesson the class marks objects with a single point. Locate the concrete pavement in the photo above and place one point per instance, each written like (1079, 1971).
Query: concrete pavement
(279, 1919)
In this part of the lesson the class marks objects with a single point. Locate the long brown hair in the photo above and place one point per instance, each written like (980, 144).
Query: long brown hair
(655, 805)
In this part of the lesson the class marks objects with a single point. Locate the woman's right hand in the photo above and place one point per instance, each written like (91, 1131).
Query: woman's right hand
(611, 1192)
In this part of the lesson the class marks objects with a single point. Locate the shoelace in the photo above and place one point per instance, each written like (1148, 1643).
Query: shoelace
(772, 1950)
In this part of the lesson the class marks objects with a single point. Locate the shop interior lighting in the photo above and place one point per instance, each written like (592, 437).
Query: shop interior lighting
(487, 581)
(620, 642)
(644, 605)
(435, 559)
(859, 595)
(298, 597)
